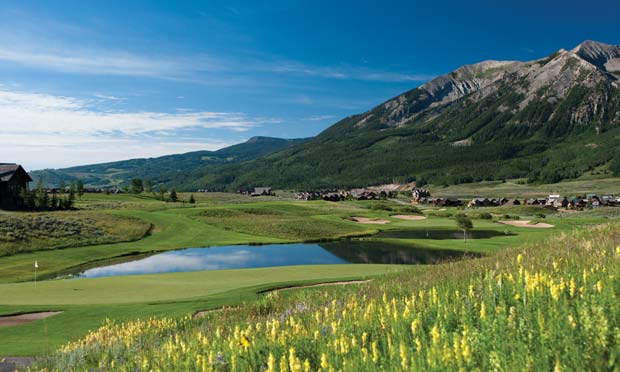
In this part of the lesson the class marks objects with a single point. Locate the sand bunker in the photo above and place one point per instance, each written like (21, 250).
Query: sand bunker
(408, 217)
(540, 225)
(13, 320)
(369, 221)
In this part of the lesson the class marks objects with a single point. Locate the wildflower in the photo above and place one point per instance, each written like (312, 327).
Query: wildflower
(403, 355)
(435, 334)
(572, 287)
(324, 362)
(483, 311)
(414, 326)
(375, 352)
(244, 342)
(599, 286)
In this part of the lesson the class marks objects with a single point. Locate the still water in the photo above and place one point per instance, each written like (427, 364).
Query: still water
(253, 256)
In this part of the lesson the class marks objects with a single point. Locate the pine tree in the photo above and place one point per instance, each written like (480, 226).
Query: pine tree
(71, 196)
(148, 185)
(191, 199)
(41, 196)
(173, 196)
(80, 188)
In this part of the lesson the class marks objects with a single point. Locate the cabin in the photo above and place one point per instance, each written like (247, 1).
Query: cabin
(578, 203)
(262, 191)
(13, 179)
(332, 196)
(363, 194)
(445, 202)
(479, 202)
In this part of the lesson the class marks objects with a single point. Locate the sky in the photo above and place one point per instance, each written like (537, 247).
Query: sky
(86, 82)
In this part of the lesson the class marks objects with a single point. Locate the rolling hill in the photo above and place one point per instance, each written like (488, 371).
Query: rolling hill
(169, 170)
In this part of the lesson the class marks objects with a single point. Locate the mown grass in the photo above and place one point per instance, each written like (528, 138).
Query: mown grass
(546, 306)
(28, 232)
(88, 302)
(289, 221)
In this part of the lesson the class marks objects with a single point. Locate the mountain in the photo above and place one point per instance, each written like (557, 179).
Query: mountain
(168, 170)
(549, 119)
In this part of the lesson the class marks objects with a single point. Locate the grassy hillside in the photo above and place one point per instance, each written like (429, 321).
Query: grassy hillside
(549, 306)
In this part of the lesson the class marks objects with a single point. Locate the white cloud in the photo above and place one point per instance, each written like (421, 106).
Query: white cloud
(44, 130)
(320, 117)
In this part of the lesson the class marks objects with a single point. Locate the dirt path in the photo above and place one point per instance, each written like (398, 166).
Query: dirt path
(408, 217)
(540, 225)
(200, 314)
(13, 320)
(328, 284)
(369, 221)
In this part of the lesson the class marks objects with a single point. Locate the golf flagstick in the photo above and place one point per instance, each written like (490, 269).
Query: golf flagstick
(36, 266)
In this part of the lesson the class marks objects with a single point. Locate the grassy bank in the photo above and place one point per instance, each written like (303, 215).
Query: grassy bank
(29, 232)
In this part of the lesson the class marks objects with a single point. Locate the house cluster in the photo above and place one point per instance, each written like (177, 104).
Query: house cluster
(13, 179)
(353, 194)
(257, 191)
(553, 200)
(423, 196)
(86, 190)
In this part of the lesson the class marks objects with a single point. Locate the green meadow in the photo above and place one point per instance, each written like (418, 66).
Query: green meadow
(144, 225)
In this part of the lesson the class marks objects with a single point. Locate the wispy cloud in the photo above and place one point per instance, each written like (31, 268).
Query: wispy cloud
(62, 131)
(189, 68)
(320, 117)
(104, 62)
(343, 72)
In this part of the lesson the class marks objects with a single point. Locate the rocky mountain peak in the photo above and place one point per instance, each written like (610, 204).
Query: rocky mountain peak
(604, 56)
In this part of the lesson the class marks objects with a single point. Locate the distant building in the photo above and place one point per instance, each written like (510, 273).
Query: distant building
(262, 191)
(13, 179)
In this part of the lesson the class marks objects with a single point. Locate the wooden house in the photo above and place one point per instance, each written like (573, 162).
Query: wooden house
(13, 179)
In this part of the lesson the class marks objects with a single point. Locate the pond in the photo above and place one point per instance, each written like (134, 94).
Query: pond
(254, 256)
(441, 234)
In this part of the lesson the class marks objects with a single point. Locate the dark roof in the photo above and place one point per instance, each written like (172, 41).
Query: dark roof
(8, 170)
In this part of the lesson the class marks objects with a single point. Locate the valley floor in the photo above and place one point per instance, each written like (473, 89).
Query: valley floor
(224, 219)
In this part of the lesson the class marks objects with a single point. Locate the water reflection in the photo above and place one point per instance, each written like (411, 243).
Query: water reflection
(246, 256)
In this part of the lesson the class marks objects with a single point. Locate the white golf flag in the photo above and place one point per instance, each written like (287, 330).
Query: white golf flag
(36, 264)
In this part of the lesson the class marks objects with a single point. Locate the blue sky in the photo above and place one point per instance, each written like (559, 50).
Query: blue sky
(95, 81)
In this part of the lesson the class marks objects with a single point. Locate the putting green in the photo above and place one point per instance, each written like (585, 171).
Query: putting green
(173, 286)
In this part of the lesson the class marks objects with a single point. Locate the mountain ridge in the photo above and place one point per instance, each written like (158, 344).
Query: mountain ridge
(547, 119)
(163, 169)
